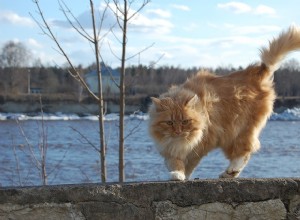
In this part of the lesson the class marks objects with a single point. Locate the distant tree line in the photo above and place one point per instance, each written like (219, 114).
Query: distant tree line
(17, 76)
(152, 81)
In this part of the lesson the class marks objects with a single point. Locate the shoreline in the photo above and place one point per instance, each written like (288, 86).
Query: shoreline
(31, 104)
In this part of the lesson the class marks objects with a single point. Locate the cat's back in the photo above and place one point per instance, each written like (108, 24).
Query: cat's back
(202, 80)
(250, 78)
(238, 90)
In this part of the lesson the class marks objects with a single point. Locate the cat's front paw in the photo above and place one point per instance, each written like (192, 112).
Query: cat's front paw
(229, 174)
(177, 175)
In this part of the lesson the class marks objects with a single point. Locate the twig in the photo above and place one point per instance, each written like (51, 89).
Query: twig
(87, 179)
(155, 62)
(81, 31)
(133, 130)
(57, 165)
(110, 74)
(86, 139)
(17, 163)
(141, 51)
(32, 155)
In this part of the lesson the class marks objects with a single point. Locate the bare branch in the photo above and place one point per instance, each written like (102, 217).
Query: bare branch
(65, 9)
(138, 10)
(18, 165)
(141, 51)
(73, 75)
(110, 74)
(32, 155)
(155, 62)
(133, 130)
(42, 28)
(52, 36)
(102, 20)
(118, 17)
(113, 53)
(57, 165)
(87, 179)
(86, 139)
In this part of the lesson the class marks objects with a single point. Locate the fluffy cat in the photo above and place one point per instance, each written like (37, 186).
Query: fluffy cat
(210, 111)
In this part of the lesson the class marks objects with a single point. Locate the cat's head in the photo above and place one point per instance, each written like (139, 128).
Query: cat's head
(177, 122)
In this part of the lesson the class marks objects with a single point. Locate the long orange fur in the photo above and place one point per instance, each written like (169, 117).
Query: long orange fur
(210, 111)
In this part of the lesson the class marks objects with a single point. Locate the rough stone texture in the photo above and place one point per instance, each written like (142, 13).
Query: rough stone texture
(271, 209)
(294, 207)
(200, 199)
(40, 211)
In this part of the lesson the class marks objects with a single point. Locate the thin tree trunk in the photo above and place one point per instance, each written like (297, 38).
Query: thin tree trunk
(74, 73)
(122, 97)
(100, 101)
(43, 148)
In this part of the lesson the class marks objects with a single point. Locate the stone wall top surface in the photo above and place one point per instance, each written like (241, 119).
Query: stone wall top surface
(180, 193)
(198, 199)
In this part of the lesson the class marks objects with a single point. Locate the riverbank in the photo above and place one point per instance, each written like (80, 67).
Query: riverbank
(86, 105)
(69, 104)
(198, 199)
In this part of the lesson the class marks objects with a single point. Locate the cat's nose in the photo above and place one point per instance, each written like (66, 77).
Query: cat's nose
(177, 132)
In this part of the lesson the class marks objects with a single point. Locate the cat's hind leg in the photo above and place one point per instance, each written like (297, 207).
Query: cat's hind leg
(239, 153)
(235, 167)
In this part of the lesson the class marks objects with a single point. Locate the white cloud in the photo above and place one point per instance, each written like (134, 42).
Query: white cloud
(15, 19)
(33, 43)
(140, 23)
(181, 7)
(250, 29)
(208, 42)
(240, 8)
(160, 13)
(235, 7)
(265, 10)
(190, 27)
(150, 25)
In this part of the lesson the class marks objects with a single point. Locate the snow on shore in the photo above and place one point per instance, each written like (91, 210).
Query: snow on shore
(65, 117)
(287, 115)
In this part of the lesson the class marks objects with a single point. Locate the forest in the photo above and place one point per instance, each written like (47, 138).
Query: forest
(17, 77)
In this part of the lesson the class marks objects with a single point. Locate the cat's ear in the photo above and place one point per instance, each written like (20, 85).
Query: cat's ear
(192, 102)
(157, 103)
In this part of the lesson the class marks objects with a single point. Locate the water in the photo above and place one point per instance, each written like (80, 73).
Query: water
(72, 157)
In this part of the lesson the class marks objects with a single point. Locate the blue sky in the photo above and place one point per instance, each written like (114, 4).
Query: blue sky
(186, 33)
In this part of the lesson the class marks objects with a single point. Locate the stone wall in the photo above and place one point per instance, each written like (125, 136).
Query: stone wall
(200, 199)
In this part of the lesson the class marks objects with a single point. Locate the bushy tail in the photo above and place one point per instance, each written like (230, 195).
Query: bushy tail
(278, 48)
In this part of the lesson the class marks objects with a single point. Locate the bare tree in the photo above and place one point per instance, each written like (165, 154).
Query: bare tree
(39, 160)
(94, 39)
(14, 55)
(121, 12)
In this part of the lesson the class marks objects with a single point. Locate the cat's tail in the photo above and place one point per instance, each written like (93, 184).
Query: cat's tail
(279, 47)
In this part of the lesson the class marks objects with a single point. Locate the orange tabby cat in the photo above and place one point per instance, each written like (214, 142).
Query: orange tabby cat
(209, 111)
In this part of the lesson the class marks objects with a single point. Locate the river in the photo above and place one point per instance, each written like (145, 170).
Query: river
(72, 158)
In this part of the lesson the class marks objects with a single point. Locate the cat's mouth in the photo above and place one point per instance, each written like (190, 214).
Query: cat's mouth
(180, 135)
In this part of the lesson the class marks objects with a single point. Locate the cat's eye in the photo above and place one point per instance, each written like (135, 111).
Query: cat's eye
(169, 122)
(185, 122)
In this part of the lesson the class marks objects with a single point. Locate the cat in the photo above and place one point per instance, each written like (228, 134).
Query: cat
(210, 111)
